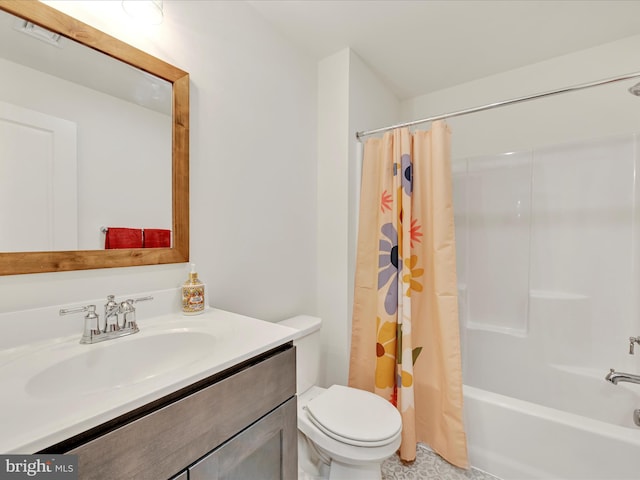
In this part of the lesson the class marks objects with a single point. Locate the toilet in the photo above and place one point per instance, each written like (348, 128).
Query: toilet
(343, 433)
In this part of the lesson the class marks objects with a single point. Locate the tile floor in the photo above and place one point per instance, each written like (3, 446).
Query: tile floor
(428, 466)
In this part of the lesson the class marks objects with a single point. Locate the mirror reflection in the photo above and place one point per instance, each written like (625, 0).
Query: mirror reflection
(85, 143)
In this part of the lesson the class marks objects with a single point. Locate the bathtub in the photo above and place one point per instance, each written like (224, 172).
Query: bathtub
(516, 439)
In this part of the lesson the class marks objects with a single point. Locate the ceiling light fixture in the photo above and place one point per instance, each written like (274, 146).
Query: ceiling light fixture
(147, 11)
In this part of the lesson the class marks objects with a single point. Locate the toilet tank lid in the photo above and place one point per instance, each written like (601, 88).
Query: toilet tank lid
(305, 324)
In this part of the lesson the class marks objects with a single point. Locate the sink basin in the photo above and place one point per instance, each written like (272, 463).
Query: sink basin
(119, 363)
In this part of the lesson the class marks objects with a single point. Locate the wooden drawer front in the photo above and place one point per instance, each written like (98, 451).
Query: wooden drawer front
(168, 440)
(267, 450)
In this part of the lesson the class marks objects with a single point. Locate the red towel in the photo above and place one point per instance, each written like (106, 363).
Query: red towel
(123, 238)
(157, 238)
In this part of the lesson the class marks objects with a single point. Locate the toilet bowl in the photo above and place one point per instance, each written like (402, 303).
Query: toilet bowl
(352, 431)
(343, 433)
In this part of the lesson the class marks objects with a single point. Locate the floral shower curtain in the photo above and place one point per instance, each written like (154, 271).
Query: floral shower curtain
(405, 337)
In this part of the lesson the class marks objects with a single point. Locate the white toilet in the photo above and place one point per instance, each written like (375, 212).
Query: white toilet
(343, 433)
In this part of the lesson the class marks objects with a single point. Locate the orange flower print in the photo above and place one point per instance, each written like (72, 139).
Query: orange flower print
(385, 201)
(394, 396)
(415, 232)
(386, 354)
(410, 278)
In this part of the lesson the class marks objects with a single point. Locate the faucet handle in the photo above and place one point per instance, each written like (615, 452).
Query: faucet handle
(140, 299)
(91, 309)
(91, 320)
(87, 308)
(126, 306)
(632, 342)
(129, 312)
(69, 311)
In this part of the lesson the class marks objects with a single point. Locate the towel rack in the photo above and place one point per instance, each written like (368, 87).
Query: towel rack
(106, 229)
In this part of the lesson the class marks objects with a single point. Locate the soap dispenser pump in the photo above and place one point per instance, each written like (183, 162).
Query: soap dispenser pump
(193, 295)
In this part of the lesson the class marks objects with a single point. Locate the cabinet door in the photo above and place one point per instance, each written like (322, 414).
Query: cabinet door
(267, 450)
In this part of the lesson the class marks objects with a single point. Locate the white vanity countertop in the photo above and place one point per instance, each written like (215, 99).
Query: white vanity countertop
(47, 395)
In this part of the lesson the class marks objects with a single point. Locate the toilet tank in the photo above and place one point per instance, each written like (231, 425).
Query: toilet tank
(307, 343)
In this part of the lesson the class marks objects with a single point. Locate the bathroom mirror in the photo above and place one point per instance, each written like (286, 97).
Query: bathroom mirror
(160, 148)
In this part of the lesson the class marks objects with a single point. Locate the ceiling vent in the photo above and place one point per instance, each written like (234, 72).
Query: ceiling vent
(40, 33)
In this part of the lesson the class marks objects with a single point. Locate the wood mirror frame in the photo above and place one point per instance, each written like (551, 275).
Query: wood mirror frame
(15, 263)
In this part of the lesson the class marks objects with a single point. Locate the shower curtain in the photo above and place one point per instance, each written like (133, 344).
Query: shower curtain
(405, 337)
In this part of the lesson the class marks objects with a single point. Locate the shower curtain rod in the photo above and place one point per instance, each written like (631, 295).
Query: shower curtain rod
(503, 103)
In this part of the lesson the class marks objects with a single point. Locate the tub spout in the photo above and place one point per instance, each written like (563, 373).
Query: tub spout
(615, 377)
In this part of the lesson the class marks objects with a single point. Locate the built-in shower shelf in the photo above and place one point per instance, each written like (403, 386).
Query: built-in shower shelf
(487, 327)
(556, 295)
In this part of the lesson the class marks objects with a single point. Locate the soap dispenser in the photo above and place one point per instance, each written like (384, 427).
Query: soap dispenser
(193, 297)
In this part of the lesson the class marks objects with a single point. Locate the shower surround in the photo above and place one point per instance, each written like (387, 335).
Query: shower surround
(547, 250)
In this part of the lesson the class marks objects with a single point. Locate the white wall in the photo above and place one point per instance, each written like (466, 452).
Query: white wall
(600, 111)
(350, 98)
(253, 164)
(333, 214)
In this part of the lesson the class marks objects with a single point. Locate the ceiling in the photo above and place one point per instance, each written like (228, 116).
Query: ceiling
(421, 46)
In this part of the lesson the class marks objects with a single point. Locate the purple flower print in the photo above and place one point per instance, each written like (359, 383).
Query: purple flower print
(389, 264)
(407, 173)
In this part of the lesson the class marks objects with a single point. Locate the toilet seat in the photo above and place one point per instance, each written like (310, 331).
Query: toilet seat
(354, 417)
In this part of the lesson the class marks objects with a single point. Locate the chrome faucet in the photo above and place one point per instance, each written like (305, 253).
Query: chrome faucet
(615, 377)
(111, 315)
(112, 326)
(632, 342)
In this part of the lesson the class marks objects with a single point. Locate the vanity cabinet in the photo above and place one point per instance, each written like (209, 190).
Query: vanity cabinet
(238, 424)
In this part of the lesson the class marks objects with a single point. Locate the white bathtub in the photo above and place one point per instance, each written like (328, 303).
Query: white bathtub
(515, 439)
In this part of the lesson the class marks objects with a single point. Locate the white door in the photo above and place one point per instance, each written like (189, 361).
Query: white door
(38, 181)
